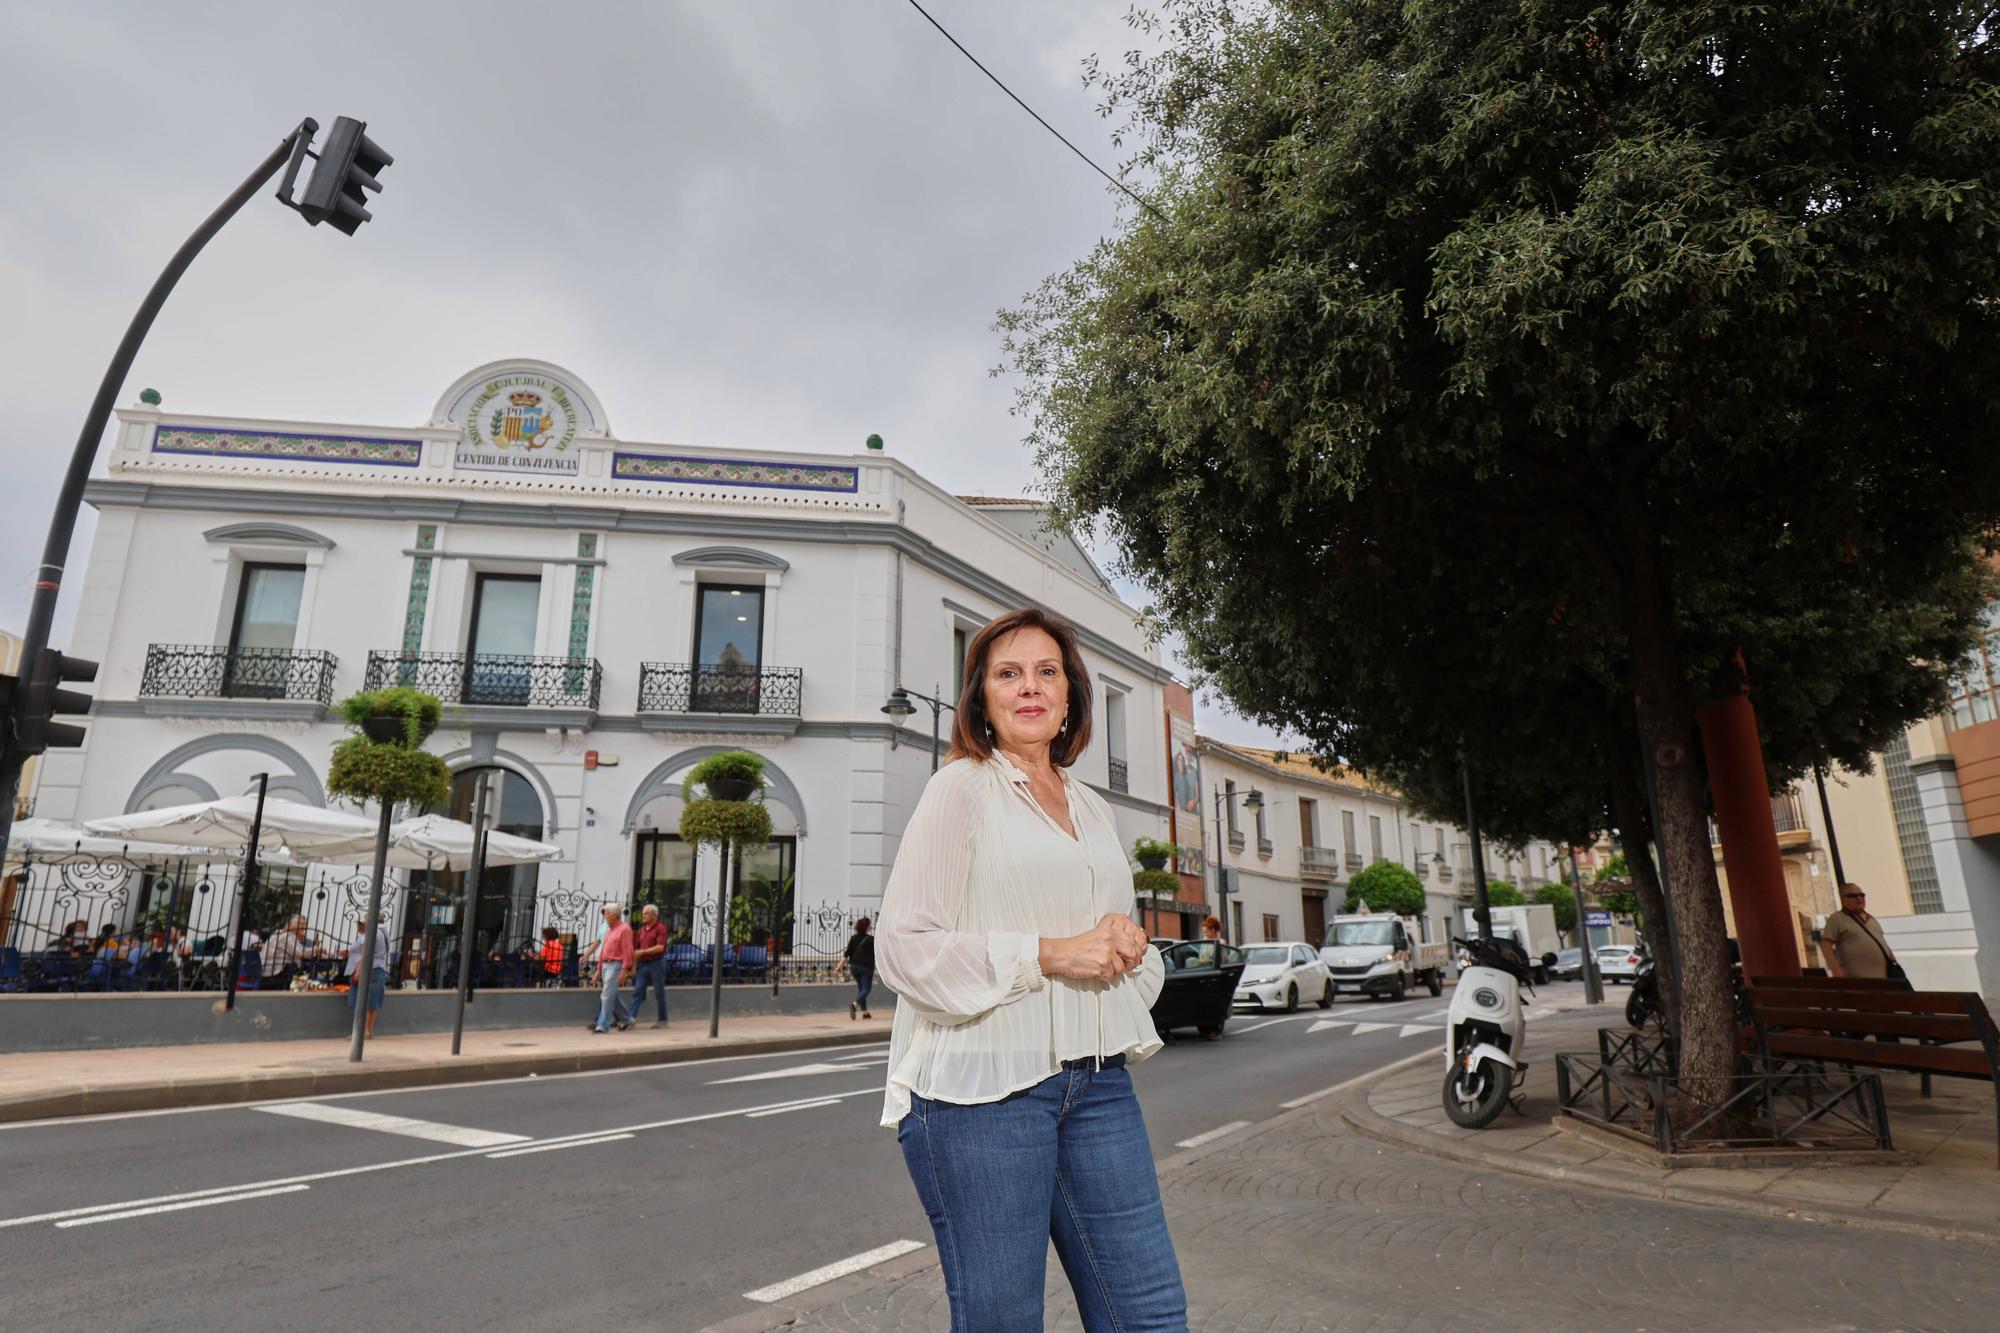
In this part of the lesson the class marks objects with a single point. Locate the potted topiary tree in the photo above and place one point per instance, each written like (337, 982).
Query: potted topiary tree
(1151, 853)
(387, 765)
(729, 775)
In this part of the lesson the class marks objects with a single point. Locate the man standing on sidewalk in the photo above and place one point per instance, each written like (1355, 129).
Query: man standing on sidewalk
(614, 955)
(1852, 939)
(650, 968)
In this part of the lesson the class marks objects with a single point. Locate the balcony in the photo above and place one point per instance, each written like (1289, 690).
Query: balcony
(1265, 848)
(1321, 863)
(562, 685)
(1236, 840)
(1444, 874)
(278, 676)
(1120, 775)
(1423, 867)
(1354, 860)
(681, 688)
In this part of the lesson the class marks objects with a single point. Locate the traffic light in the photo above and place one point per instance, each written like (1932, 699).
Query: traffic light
(44, 699)
(345, 172)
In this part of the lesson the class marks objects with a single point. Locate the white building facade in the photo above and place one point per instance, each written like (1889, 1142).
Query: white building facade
(598, 615)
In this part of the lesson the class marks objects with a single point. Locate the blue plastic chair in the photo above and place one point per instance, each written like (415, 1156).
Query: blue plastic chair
(250, 970)
(750, 960)
(12, 978)
(683, 962)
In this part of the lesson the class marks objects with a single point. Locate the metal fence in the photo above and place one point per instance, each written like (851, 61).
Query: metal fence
(85, 923)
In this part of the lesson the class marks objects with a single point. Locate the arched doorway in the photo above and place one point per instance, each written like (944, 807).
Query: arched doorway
(503, 913)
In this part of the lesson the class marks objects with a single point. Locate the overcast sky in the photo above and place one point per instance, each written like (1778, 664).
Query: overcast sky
(756, 223)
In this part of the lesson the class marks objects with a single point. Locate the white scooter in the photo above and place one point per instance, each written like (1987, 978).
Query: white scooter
(1485, 1031)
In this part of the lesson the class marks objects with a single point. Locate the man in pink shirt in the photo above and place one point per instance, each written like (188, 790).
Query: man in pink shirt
(614, 958)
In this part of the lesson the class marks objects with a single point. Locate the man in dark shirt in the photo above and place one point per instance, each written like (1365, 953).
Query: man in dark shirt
(650, 951)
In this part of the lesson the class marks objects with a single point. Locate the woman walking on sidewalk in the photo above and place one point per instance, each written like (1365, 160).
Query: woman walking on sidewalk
(859, 958)
(1024, 991)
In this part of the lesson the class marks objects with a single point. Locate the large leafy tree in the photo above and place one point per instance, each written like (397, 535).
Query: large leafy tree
(1507, 368)
(1386, 887)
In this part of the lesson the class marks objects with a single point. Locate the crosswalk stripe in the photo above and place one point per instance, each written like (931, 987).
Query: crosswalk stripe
(778, 1291)
(1213, 1134)
(556, 1147)
(461, 1135)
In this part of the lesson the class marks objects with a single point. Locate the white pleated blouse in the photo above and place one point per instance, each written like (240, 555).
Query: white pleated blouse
(983, 874)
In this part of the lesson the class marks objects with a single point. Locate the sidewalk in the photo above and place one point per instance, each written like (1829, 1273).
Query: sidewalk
(42, 1084)
(1944, 1179)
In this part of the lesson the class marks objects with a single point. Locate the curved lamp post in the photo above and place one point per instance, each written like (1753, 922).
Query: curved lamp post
(900, 707)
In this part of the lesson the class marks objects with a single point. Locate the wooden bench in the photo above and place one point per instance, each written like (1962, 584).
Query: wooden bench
(1817, 978)
(1830, 1022)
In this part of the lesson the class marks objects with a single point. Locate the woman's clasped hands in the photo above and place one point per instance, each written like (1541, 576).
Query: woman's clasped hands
(1105, 952)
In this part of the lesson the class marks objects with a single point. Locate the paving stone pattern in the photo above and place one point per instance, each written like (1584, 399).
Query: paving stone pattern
(1306, 1225)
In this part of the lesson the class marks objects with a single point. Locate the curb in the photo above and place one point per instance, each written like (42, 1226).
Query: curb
(1366, 1120)
(895, 1272)
(85, 1100)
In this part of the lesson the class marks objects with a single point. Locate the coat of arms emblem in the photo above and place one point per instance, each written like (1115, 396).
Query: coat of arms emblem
(525, 423)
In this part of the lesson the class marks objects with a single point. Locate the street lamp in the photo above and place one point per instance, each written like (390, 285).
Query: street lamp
(900, 707)
(1253, 800)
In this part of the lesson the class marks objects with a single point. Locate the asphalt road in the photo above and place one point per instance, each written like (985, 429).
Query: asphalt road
(656, 1196)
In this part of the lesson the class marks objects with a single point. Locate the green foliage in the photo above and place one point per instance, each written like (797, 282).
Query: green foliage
(420, 712)
(740, 765)
(397, 774)
(1502, 893)
(1386, 886)
(1614, 867)
(1156, 883)
(1143, 848)
(1612, 886)
(1563, 899)
(744, 823)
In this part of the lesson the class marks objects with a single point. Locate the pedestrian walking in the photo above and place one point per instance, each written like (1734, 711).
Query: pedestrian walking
(551, 956)
(1852, 940)
(858, 958)
(649, 952)
(1024, 991)
(376, 984)
(613, 954)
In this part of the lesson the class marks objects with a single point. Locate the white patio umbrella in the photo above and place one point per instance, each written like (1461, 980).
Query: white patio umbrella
(304, 830)
(53, 838)
(433, 842)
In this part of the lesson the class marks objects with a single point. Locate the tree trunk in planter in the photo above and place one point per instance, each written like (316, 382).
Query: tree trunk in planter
(1707, 1029)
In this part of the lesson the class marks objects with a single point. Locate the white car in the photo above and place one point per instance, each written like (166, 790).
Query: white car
(1278, 976)
(1617, 962)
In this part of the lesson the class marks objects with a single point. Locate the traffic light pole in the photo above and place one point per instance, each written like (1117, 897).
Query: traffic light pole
(62, 526)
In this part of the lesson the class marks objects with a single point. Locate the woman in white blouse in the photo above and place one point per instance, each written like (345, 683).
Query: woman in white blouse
(1024, 991)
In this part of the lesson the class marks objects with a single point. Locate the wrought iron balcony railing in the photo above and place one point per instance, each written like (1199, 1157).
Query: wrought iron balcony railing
(211, 671)
(492, 678)
(681, 687)
(1318, 862)
(1788, 815)
(1121, 775)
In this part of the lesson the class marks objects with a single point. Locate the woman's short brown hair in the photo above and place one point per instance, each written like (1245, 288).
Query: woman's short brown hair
(972, 730)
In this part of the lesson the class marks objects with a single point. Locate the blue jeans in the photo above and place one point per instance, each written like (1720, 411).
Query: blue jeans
(652, 973)
(1066, 1160)
(610, 1006)
(378, 985)
(864, 982)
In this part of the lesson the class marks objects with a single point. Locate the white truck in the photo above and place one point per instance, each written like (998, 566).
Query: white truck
(1530, 925)
(1373, 953)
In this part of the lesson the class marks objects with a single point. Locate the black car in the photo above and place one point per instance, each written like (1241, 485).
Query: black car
(1200, 986)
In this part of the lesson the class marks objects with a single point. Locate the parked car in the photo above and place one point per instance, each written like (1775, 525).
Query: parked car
(1617, 962)
(1568, 965)
(1200, 986)
(1276, 976)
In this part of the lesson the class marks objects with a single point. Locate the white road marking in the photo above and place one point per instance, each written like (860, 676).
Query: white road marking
(805, 1281)
(1213, 1134)
(556, 1147)
(796, 1071)
(1292, 1018)
(1360, 1028)
(461, 1135)
(106, 1117)
(1326, 1023)
(1427, 1029)
(177, 1207)
(1312, 1097)
(373, 1167)
(782, 1110)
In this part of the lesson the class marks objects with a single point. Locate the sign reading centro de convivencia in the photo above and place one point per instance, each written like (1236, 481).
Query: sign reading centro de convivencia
(520, 421)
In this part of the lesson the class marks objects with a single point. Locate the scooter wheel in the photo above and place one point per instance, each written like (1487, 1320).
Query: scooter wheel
(1473, 1099)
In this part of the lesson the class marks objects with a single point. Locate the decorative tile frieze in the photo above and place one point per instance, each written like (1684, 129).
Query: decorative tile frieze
(579, 602)
(420, 590)
(734, 472)
(285, 444)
